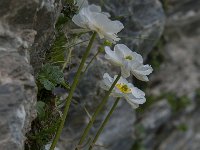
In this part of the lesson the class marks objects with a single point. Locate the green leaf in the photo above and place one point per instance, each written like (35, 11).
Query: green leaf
(47, 84)
(50, 76)
(58, 49)
(40, 109)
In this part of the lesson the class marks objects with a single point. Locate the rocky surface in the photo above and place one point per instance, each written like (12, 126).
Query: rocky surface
(181, 51)
(179, 74)
(187, 139)
(22, 24)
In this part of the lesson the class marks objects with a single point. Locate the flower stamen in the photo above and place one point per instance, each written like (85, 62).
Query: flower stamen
(129, 57)
(123, 88)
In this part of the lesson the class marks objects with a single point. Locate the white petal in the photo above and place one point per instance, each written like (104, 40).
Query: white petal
(119, 50)
(111, 56)
(138, 57)
(107, 14)
(106, 82)
(113, 26)
(95, 8)
(112, 37)
(137, 92)
(123, 50)
(144, 70)
(135, 100)
(125, 72)
(140, 77)
(106, 25)
(133, 105)
(116, 94)
(80, 20)
(107, 77)
(121, 80)
(141, 71)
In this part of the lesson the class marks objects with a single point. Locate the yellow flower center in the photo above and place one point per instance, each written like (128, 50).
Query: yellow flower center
(129, 57)
(123, 88)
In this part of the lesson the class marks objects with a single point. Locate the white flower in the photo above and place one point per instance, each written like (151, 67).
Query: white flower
(81, 3)
(129, 61)
(92, 18)
(123, 88)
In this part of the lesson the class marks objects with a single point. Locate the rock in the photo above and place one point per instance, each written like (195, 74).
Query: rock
(186, 138)
(44, 23)
(183, 17)
(180, 74)
(153, 119)
(181, 69)
(156, 115)
(20, 22)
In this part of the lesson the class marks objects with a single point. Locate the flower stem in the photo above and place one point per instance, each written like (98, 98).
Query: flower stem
(97, 53)
(99, 108)
(72, 89)
(67, 60)
(104, 123)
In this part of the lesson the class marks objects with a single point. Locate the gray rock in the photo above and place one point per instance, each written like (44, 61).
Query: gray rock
(18, 23)
(181, 69)
(180, 74)
(153, 119)
(44, 23)
(187, 139)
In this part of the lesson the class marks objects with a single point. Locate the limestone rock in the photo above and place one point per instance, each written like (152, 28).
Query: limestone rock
(20, 22)
(180, 74)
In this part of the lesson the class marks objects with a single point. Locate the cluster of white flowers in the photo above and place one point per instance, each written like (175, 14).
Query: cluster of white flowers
(91, 17)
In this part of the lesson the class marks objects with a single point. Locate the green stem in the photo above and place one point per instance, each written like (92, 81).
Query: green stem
(104, 123)
(67, 60)
(72, 89)
(99, 108)
(97, 53)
